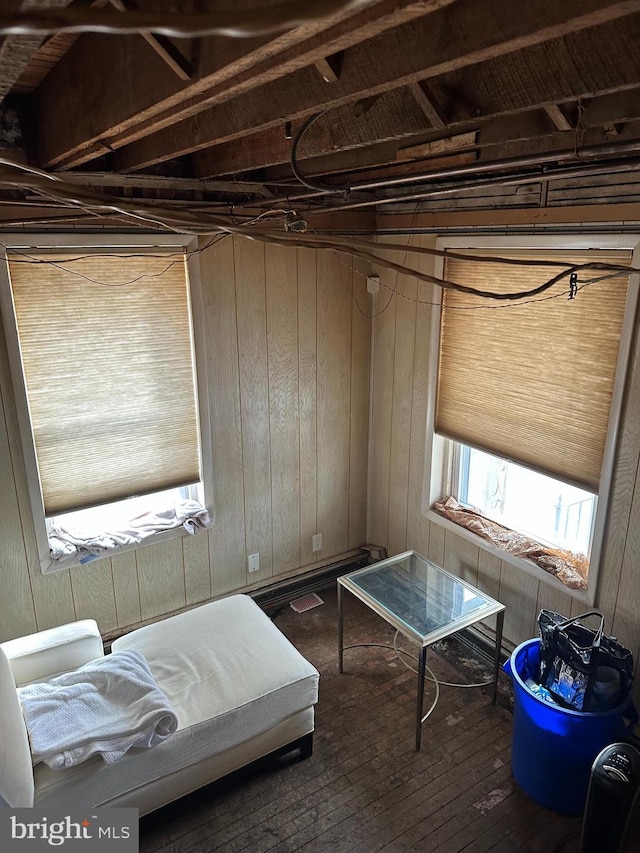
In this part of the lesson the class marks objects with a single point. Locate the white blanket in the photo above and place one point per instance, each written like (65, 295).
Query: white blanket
(105, 707)
(66, 542)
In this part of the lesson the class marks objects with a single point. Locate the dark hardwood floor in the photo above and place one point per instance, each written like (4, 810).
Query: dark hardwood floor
(365, 788)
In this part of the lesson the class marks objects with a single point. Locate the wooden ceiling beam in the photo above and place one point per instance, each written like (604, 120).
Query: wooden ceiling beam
(396, 116)
(162, 183)
(163, 46)
(329, 67)
(155, 99)
(453, 38)
(559, 142)
(17, 50)
(427, 103)
(508, 139)
(270, 150)
(578, 66)
(558, 118)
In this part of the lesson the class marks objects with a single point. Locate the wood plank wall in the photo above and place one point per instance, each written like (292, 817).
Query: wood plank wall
(287, 349)
(287, 354)
(400, 364)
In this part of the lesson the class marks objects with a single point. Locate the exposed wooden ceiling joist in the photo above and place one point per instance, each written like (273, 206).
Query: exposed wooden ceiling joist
(427, 103)
(558, 118)
(398, 57)
(472, 96)
(155, 99)
(17, 50)
(415, 90)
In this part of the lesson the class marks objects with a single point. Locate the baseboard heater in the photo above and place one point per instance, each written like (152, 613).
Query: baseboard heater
(277, 594)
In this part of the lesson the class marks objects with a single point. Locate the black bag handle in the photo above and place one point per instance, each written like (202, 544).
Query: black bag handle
(599, 633)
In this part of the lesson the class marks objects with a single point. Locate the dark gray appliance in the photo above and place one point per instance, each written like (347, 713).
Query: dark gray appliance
(612, 796)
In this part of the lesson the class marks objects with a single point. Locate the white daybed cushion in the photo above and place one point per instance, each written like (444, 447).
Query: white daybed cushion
(229, 674)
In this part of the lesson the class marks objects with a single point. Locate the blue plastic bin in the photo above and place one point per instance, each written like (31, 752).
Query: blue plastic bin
(553, 747)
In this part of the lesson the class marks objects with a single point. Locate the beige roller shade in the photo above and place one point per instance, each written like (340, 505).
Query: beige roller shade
(107, 358)
(532, 383)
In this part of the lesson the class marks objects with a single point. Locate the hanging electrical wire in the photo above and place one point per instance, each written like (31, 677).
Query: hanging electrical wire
(310, 183)
(181, 221)
(257, 22)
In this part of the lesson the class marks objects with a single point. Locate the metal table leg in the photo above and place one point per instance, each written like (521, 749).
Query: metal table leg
(340, 628)
(496, 660)
(422, 667)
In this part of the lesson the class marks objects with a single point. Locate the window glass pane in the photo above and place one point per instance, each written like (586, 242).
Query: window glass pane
(115, 516)
(548, 510)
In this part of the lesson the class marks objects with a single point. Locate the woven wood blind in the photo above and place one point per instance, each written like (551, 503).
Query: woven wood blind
(107, 359)
(532, 382)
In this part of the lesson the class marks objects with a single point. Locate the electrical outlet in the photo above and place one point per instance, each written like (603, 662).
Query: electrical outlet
(316, 542)
(253, 562)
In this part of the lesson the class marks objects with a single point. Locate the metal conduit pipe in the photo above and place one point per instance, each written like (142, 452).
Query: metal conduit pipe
(529, 160)
(544, 176)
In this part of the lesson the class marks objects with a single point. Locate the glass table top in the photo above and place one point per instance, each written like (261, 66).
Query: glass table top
(419, 598)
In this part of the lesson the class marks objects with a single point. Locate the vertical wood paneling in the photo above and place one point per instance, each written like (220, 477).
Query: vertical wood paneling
(20, 617)
(489, 580)
(52, 598)
(197, 576)
(489, 573)
(161, 578)
(264, 350)
(254, 401)
(227, 552)
(45, 601)
(359, 437)
(334, 395)
(417, 525)
(461, 557)
(382, 386)
(401, 410)
(622, 576)
(332, 360)
(391, 456)
(550, 598)
(94, 595)
(125, 585)
(282, 348)
(519, 594)
(307, 396)
(436, 544)
(622, 492)
(626, 622)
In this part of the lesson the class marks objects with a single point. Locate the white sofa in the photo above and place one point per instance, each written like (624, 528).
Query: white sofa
(238, 686)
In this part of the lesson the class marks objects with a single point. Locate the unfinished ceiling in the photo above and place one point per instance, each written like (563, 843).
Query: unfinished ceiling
(371, 104)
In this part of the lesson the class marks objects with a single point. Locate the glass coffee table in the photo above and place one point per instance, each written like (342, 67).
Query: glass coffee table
(424, 603)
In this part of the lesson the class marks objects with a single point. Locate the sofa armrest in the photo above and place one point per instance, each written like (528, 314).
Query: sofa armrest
(48, 653)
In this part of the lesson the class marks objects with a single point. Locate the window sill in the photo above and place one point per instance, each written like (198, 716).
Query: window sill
(74, 561)
(586, 596)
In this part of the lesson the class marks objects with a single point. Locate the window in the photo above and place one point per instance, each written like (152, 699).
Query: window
(528, 392)
(544, 508)
(102, 345)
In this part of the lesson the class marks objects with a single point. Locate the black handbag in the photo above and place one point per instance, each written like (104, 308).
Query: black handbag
(581, 667)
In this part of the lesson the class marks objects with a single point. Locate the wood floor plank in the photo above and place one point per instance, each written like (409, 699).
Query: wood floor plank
(365, 788)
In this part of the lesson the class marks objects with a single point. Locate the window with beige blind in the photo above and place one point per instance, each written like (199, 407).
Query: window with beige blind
(528, 393)
(102, 341)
